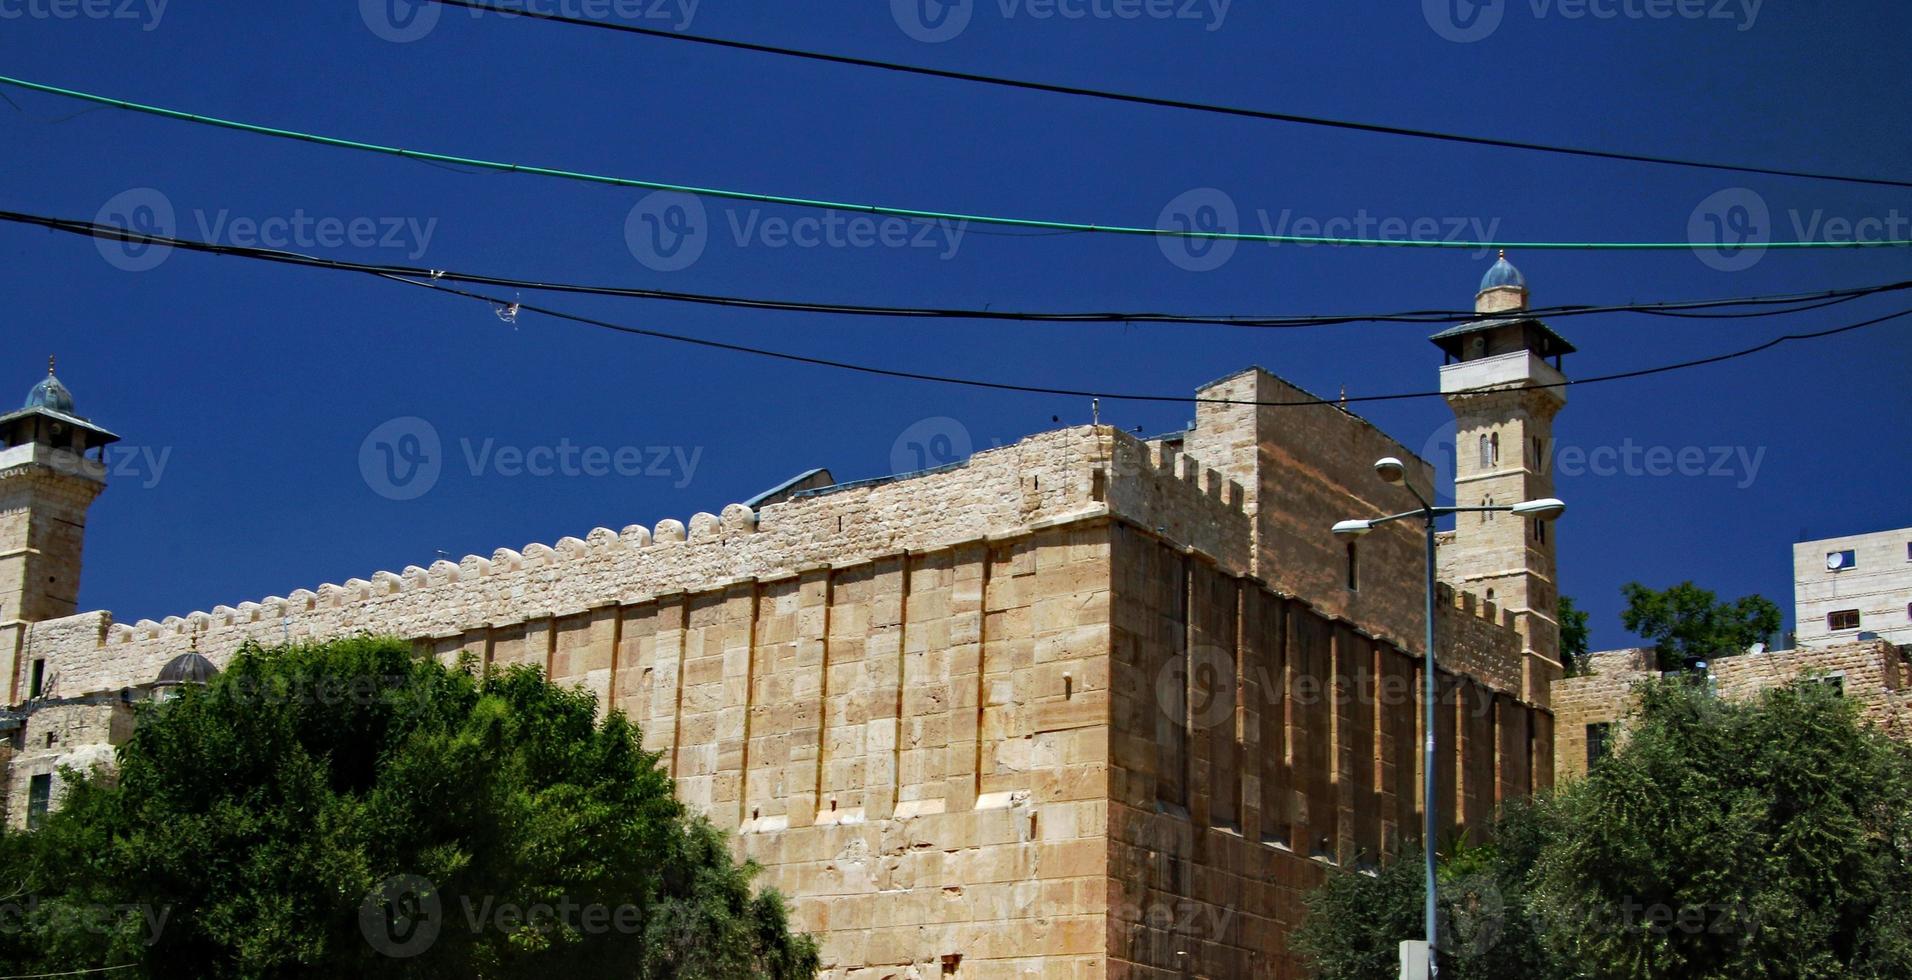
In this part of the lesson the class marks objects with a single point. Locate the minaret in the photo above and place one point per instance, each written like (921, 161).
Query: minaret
(49, 475)
(1502, 379)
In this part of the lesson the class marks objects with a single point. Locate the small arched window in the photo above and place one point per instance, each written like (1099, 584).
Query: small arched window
(1486, 453)
(1493, 455)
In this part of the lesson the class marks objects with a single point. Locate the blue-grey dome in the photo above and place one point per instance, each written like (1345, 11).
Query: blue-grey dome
(1502, 274)
(50, 393)
(187, 668)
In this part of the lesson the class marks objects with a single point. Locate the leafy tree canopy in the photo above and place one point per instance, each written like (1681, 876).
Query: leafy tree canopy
(1687, 623)
(1573, 636)
(1720, 841)
(351, 810)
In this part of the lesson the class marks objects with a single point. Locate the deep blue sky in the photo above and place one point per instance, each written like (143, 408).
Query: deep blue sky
(262, 383)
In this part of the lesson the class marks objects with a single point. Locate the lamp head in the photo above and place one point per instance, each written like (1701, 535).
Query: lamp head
(1349, 530)
(1391, 470)
(1546, 508)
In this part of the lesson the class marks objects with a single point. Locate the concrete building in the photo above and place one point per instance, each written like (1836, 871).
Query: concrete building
(1847, 586)
(1853, 596)
(1084, 706)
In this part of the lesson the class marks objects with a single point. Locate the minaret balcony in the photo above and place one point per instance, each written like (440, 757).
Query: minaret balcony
(1514, 369)
(60, 460)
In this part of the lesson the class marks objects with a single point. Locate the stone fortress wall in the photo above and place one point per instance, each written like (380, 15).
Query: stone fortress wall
(1875, 673)
(967, 720)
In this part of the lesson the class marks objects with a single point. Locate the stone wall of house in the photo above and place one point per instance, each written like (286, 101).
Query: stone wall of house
(78, 735)
(1876, 674)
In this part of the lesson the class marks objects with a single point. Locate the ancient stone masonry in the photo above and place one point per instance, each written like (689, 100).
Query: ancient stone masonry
(1085, 706)
(1876, 674)
(1037, 712)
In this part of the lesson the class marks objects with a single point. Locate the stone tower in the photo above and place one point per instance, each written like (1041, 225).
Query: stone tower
(49, 475)
(1502, 378)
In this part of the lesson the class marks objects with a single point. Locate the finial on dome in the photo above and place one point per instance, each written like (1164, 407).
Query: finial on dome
(50, 393)
(1502, 275)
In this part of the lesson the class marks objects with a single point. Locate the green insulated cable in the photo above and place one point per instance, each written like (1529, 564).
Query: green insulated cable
(736, 195)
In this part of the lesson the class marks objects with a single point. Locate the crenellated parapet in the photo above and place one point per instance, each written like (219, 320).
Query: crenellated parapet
(1478, 638)
(1048, 479)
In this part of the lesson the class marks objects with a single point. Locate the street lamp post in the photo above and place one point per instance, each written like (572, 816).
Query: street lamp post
(1392, 470)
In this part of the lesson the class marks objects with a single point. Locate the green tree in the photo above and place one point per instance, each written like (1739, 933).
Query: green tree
(1573, 637)
(350, 809)
(1728, 840)
(1719, 841)
(1486, 931)
(1688, 623)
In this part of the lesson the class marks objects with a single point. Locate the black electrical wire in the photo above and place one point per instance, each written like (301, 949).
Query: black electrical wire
(514, 307)
(1149, 100)
(1699, 309)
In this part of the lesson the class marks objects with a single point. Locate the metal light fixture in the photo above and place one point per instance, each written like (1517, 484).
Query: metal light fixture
(1392, 471)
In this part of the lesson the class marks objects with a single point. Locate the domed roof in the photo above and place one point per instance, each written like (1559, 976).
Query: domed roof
(1502, 274)
(51, 394)
(187, 668)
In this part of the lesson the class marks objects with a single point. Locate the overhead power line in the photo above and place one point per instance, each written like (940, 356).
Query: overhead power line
(515, 307)
(1762, 306)
(1166, 103)
(913, 213)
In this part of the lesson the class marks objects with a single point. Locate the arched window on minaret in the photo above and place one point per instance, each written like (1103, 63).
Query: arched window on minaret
(1494, 447)
(1486, 459)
